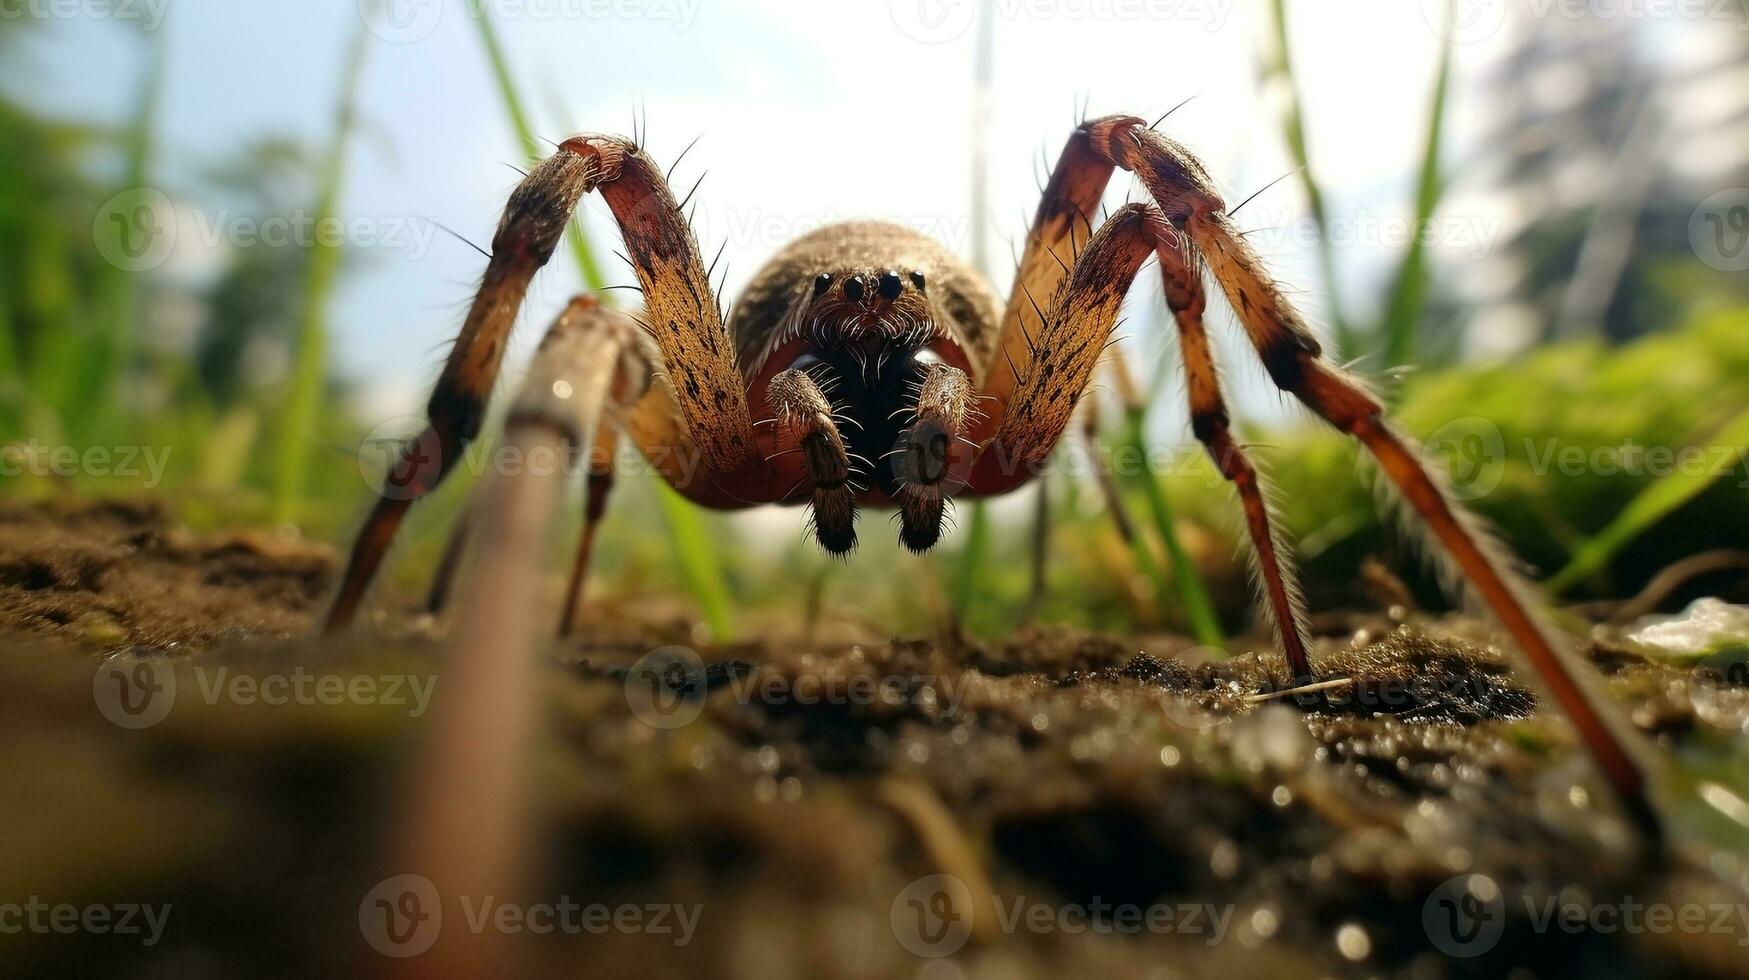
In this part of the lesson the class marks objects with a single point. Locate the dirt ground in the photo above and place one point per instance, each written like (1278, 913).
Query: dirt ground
(1056, 803)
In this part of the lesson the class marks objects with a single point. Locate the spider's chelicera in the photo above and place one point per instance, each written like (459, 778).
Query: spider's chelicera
(867, 366)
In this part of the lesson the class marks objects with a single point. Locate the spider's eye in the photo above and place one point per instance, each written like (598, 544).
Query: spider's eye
(891, 285)
(822, 282)
(917, 280)
(853, 289)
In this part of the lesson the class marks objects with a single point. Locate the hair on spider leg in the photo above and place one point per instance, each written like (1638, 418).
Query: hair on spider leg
(458, 236)
(1259, 192)
(1168, 112)
(669, 176)
(688, 197)
(712, 268)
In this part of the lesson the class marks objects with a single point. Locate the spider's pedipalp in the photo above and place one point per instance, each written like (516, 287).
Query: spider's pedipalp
(804, 421)
(925, 457)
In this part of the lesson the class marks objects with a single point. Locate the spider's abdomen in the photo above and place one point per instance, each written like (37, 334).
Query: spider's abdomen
(961, 305)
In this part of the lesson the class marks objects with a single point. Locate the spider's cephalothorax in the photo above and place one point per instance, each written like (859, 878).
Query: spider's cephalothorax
(866, 365)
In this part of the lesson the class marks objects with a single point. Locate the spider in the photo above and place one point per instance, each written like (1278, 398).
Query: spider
(867, 366)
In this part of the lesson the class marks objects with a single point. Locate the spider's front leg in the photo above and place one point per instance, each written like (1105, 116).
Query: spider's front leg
(681, 313)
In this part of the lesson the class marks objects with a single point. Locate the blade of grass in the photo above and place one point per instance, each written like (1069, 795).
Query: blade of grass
(1193, 597)
(1184, 586)
(1278, 69)
(586, 262)
(1654, 503)
(1409, 288)
(970, 570)
(297, 424)
(118, 303)
(49, 289)
(701, 569)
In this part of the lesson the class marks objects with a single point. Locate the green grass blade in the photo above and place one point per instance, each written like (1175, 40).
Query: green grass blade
(531, 145)
(297, 425)
(1193, 596)
(700, 568)
(118, 299)
(1653, 504)
(1140, 550)
(968, 571)
(1409, 289)
(1279, 70)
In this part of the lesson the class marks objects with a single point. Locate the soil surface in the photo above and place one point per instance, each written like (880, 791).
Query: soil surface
(1054, 803)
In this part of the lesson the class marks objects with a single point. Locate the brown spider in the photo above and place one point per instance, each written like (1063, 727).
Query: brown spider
(866, 365)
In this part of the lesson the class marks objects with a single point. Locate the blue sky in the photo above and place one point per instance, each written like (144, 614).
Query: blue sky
(808, 112)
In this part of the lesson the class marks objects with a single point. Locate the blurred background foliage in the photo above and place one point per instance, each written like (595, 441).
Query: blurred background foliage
(1590, 322)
